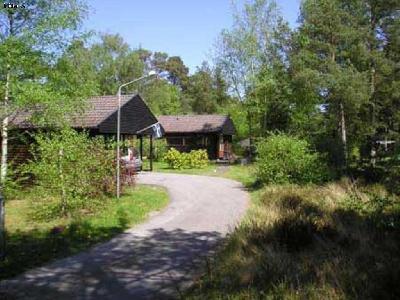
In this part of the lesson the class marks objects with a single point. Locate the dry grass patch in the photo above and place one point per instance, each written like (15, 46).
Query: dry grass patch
(306, 242)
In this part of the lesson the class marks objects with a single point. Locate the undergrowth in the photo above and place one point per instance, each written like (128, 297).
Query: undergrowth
(332, 242)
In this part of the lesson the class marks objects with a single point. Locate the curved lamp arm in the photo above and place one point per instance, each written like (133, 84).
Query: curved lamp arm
(151, 73)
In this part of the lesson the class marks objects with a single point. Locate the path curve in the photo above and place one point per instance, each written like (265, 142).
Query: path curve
(155, 260)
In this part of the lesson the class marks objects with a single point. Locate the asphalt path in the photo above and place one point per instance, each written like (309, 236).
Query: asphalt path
(155, 260)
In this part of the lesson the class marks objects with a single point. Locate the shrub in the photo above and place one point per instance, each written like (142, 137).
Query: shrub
(393, 176)
(174, 159)
(300, 242)
(71, 167)
(194, 160)
(198, 159)
(286, 159)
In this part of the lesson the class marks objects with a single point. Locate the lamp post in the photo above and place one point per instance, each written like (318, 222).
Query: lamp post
(151, 73)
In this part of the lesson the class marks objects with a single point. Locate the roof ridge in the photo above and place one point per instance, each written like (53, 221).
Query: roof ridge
(193, 115)
(127, 97)
(112, 96)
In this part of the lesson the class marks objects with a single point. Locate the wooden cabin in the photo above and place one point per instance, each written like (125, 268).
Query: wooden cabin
(100, 118)
(190, 132)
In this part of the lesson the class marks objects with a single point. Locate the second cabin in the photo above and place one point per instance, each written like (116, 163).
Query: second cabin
(191, 132)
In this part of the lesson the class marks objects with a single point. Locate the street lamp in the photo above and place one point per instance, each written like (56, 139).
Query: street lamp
(151, 73)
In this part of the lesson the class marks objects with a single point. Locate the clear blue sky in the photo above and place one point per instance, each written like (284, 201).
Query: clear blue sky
(187, 28)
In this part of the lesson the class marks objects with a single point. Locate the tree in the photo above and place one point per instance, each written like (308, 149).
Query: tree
(248, 52)
(329, 36)
(207, 90)
(31, 38)
(177, 71)
(73, 168)
(221, 87)
(162, 98)
(381, 20)
(159, 62)
(115, 63)
(201, 91)
(76, 57)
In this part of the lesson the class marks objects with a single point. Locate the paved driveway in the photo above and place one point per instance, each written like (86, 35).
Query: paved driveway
(155, 260)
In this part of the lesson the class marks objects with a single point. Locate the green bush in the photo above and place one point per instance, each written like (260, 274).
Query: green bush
(175, 159)
(196, 159)
(286, 159)
(71, 169)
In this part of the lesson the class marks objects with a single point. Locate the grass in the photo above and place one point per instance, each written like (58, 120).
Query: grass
(243, 174)
(335, 241)
(31, 243)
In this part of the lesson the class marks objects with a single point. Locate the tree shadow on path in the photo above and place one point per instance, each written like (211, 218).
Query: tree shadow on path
(156, 265)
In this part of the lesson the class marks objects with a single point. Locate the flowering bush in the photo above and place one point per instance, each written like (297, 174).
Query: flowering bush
(198, 159)
(194, 160)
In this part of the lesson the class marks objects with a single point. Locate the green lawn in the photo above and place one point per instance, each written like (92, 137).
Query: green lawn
(243, 174)
(32, 243)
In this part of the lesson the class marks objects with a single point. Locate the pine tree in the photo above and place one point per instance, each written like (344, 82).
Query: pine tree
(329, 35)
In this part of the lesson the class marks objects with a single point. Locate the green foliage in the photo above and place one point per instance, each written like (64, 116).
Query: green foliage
(175, 159)
(162, 98)
(177, 71)
(375, 204)
(160, 148)
(72, 168)
(114, 63)
(31, 40)
(12, 184)
(196, 159)
(29, 47)
(282, 159)
(207, 90)
(393, 173)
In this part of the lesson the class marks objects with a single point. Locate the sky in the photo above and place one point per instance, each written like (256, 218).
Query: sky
(185, 28)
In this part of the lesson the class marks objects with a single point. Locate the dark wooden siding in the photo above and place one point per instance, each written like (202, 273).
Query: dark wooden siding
(19, 153)
(135, 116)
(19, 147)
(228, 128)
(193, 141)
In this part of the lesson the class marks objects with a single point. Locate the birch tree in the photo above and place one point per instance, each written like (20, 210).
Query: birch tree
(33, 34)
(248, 51)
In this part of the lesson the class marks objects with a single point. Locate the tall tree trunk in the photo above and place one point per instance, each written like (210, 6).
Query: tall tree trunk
(64, 202)
(343, 132)
(372, 71)
(249, 120)
(342, 117)
(4, 132)
(265, 116)
(4, 124)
